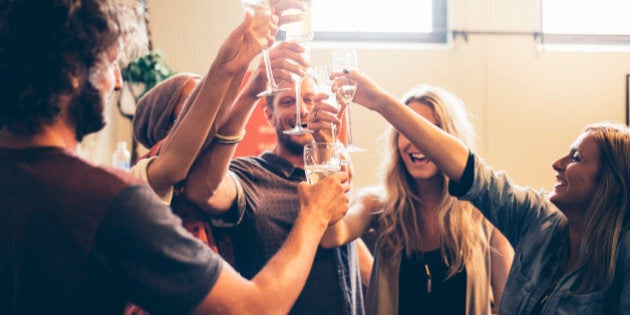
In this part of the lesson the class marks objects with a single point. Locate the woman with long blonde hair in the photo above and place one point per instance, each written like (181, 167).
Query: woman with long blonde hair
(434, 253)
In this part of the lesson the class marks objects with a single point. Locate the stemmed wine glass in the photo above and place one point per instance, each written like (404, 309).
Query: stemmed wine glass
(301, 30)
(298, 129)
(261, 13)
(323, 84)
(346, 59)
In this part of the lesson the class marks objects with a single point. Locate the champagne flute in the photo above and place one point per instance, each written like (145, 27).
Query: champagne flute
(302, 30)
(299, 31)
(298, 129)
(346, 59)
(261, 13)
(323, 84)
(320, 160)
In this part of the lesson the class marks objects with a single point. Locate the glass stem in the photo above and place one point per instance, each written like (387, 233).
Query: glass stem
(298, 102)
(267, 60)
(348, 125)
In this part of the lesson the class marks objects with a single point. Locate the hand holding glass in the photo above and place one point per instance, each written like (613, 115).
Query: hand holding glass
(261, 13)
(346, 59)
(321, 159)
(323, 84)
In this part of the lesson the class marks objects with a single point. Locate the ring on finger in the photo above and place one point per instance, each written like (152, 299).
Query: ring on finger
(315, 118)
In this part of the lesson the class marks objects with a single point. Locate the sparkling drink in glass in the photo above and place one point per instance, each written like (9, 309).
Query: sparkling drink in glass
(347, 89)
(323, 84)
(321, 159)
(346, 59)
(260, 11)
(302, 30)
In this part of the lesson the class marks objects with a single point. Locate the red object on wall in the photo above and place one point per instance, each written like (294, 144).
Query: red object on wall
(259, 134)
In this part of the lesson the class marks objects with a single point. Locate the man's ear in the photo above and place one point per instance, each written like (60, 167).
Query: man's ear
(268, 114)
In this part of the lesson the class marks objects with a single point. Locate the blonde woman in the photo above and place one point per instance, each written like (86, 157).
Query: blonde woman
(434, 254)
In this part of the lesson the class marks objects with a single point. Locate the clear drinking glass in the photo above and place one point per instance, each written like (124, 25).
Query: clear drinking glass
(298, 129)
(346, 59)
(302, 30)
(323, 84)
(321, 159)
(261, 13)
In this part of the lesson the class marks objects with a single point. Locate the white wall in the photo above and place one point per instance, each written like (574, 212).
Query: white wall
(529, 104)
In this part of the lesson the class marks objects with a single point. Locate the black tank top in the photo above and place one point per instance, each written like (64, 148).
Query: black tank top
(423, 289)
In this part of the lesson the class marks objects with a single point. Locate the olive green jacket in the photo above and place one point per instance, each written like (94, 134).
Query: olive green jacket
(382, 295)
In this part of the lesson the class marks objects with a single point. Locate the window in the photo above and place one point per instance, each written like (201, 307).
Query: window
(380, 21)
(585, 22)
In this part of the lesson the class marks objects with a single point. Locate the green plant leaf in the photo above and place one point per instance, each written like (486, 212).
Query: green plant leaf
(149, 69)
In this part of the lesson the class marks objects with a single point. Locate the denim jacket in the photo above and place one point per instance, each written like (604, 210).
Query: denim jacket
(536, 230)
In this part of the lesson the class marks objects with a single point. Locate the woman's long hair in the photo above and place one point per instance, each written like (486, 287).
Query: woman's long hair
(460, 224)
(608, 210)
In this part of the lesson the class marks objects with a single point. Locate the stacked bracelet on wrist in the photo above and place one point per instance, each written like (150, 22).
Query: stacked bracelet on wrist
(221, 139)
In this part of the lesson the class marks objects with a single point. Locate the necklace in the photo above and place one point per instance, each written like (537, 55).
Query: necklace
(428, 271)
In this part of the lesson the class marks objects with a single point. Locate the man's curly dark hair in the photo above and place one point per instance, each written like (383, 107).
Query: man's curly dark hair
(48, 49)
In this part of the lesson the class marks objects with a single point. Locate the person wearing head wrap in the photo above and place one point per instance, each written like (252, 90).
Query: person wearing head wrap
(159, 107)
(175, 121)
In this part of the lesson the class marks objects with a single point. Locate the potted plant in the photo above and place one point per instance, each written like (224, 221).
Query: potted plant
(140, 75)
(145, 72)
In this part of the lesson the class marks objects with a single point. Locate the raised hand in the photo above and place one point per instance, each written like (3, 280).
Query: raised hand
(327, 198)
(282, 67)
(321, 118)
(369, 94)
(280, 6)
(241, 46)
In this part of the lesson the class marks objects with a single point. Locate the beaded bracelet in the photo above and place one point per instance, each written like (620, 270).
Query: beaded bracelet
(221, 139)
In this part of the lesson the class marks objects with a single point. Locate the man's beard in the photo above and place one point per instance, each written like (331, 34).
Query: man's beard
(87, 112)
(288, 143)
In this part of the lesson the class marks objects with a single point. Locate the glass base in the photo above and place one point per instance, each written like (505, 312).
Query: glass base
(297, 131)
(354, 148)
(275, 91)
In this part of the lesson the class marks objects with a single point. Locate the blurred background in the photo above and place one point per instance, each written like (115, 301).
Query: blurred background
(529, 99)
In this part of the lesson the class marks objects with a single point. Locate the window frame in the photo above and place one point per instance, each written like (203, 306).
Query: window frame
(584, 39)
(579, 39)
(440, 33)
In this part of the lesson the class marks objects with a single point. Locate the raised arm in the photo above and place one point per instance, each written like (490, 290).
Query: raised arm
(208, 185)
(197, 118)
(446, 151)
(356, 222)
(322, 118)
(276, 287)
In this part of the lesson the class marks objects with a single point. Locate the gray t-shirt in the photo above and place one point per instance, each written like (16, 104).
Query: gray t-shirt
(81, 239)
(157, 263)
